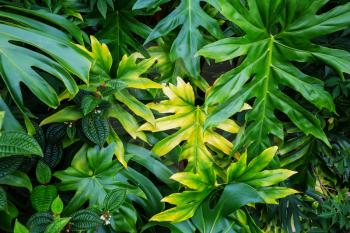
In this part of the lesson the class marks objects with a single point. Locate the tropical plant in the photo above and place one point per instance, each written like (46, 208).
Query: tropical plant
(114, 117)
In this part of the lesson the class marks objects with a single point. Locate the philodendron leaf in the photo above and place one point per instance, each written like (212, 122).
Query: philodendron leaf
(18, 143)
(190, 119)
(277, 34)
(245, 184)
(18, 62)
(190, 16)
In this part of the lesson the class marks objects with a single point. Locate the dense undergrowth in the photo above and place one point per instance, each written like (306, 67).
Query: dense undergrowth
(177, 116)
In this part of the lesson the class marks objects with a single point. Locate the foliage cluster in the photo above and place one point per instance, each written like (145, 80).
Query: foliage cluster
(177, 116)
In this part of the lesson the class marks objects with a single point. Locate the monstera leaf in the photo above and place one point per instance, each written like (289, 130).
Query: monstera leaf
(277, 34)
(52, 52)
(190, 16)
(190, 119)
(245, 184)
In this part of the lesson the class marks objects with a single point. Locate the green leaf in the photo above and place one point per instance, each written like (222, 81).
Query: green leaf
(70, 113)
(92, 174)
(9, 121)
(17, 62)
(96, 128)
(17, 179)
(19, 228)
(189, 119)
(114, 199)
(236, 169)
(208, 219)
(121, 29)
(268, 52)
(57, 225)
(43, 173)
(71, 131)
(102, 7)
(125, 219)
(89, 103)
(187, 202)
(42, 197)
(271, 194)
(260, 162)
(102, 56)
(85, 220)
(7, 217)
(151, 162)
(55, 132)
(190, 16)
(57, 206)
(268, 177)
(53, 155)
(18, 143)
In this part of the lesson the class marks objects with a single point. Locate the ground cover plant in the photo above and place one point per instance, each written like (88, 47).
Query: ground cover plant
(179, 116)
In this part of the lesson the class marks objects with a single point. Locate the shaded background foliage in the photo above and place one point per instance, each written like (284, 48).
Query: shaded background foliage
(63, 176)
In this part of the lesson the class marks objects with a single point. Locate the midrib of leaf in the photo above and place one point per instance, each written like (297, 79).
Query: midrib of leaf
(118, 35)
(267, 79)
(196, 132)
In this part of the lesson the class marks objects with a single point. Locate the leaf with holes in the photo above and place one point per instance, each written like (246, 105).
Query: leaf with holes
(54, 53)
(278, 33)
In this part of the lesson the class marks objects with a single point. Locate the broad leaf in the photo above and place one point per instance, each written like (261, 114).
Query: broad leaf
(245, 184)
(277, 33)
(190, 16)
(18, 143)
(120, 30)
(20, 64)
(190, 119)
(92, 175)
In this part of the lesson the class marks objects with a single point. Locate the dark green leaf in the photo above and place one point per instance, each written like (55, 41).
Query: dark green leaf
(18, 143)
